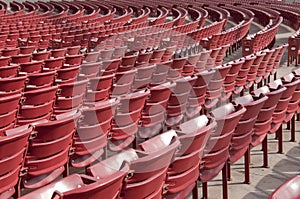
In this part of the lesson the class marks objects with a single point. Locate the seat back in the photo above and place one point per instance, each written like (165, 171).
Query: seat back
(110, 66)
(92, 131)
(68, 183)
(74, 59)
(9, 71)
(11, 86)
(49, 149)
(264, 118)
(66, 75)
(194, 134)
(217, 148)
(159, 76)
(123, 82)
(234, 70)
(150, 187)
(72, 89)
(40, 80)
(83, 186)
(110, 187)
(177, 104)
(125, 122)
(143, 77)
(99, 112)
(293, 104)
(242, 135)
(53, 64)
(216, 85)
(143, 59)
(8, 111)
(99, 88)
(41, 56)
(158, 154)
(89, 69)
(13, 146)
(39, 96)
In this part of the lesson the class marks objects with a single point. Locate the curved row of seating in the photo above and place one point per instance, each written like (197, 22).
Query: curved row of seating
(261, 113)
(265, 37)
(140, 117)
(71, 98)
(231, 36)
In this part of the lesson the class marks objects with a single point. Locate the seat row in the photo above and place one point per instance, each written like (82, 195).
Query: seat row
(115, 77)
(260, 113)
(231, 36)
(262, 39)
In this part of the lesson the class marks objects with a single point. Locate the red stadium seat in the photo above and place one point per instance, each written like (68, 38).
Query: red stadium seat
(31, 67)
(242, 136)
(27, 49)
(20, 59)
(70, 96)
(8, 111)
(91, 57)
(241, 79)
(143, 77)
(40, 80)
(183, 173)
(4, 61)
(83, 186)
(53, 64)
(198, 93)
(127, 62)
(90, 139)
(143, 59)
(230, 79)
(99, 89)
(11, 86)
(294, 102)
(123, 82)
(49, 149)
(10, 52)
(178, 100)
(13, 146)
(37, 105)
(153, 114)
(216, 86)
(159, 76)
(9, 71)
(67, 75)
(73, 60)
(41, 56)
(109, 66)
(89, 70)
(263, 122)
(58, 52)
(280, 111)
(74, 50)
(125, 122)
(149, 168)
(216, 152)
